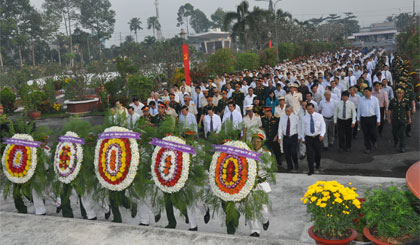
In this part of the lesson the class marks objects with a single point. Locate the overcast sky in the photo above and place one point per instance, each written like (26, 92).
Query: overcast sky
(367, 11)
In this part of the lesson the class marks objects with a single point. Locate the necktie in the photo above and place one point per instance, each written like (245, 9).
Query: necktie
(288, 127)
(131, 121)
(312, 125)
(231, 116)
(211, 124)
(198, 100)
(344, 110)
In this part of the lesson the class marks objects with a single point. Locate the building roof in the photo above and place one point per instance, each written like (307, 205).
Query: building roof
(210, 35)
(360, 34)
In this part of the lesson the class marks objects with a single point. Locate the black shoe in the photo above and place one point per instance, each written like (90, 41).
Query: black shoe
(325, 148)
(255, 234)
(44, 214)
(58, 209)
(187, 220)
(302, 157)
(93, 218)
(170, 226)
(207, 216)
(402, 150)
(265, 226)
(193, 229)
(367, 151)
(310, 173)
(157, 217)
(108, 214)
(141, 224)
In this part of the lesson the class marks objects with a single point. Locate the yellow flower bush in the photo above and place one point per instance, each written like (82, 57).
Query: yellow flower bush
(332, 207)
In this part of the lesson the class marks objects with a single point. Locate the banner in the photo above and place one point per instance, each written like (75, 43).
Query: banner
(173, 146)
(28, 143)
(186, 59)
(237, 151)
(71, 139)
(113, 135)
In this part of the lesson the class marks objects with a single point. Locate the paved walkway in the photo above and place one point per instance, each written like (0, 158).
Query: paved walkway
(288, 225)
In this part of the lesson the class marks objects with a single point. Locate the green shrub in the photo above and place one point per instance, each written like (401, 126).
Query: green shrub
(269, 56)
(222, 61)
(390, 212)
(285, 51)
(246, 60)
(7, 99)
(140, 86)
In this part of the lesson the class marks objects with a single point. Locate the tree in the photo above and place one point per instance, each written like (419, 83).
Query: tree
(68, 12)
(135, 25)
(246, 60)
(184, 14)
(217, 19)
(153, 23)
(241, 19)
(97, 16)
(403, 21)
(199, 21)
(222, 61)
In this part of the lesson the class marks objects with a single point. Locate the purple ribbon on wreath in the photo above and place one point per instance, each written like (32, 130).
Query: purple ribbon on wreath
(28, 143)
(173, 146)
(237, 151)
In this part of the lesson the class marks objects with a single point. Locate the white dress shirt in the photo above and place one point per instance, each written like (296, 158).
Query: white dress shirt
(278, 111)
(237, 118)
(326, 108)
(294, 125)
(137, 108)
(217, 124)
(249, 100)
(388, 76)
(192, 108)
(355, 99)
(188, 122)
(319, 125)
(349, 114)
(294, 101)
(132, 119)
(368, 108)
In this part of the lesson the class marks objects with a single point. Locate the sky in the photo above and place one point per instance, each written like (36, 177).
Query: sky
(367, 11)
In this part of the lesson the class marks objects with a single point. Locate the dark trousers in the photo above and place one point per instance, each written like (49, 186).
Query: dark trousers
(231, 225)
(290, 145)
(344, 133)
(369, 126)
(399, 132)
(313, 151)
(274, 147)
(65, 201)
(381, 127)
(169, 208)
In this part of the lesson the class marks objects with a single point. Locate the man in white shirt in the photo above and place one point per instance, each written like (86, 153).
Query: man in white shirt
(137, 105)
(387, 89)
(343, 82)
(289, 131)
(187, 120)
(251, 120)
(212, 123)
(309, 100)
(279, 92)
(132, 118)
(345, 119)
(352, 81)
(369, 117)
(249, 99)
(386, 74)
(313, 131)
(326, 108)
(233, 116)
(197, 98)
(191, 106)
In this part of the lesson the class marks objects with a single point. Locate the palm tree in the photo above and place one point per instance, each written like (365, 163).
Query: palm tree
(242, 20)
(153, 23)
(135, 25)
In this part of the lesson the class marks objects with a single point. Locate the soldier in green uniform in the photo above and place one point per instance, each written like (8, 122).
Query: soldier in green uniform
(222, 103)
(161, 115)
(399, 116)
(147, 118)
(270, 124)
(409, 95)
(260, 91)
(238, 96)
(258, 108)
(174, 104)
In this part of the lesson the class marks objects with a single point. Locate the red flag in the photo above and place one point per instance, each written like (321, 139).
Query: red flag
(327, 39)
(306, 40)
(269, 44)
(186, 59)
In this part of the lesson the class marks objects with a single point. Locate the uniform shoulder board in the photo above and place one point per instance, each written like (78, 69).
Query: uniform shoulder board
(263, 116)
(276, 116)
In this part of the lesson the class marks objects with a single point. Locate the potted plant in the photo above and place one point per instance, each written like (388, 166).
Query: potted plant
(390, 215)
(78, 99)
(332, 207)
(32, 99)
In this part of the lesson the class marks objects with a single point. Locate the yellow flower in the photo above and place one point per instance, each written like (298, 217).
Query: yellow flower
(339, 200)
(324, 199)
(313, 199)
(323, 205)
(350, 183)
(305, 201)
(66, 80)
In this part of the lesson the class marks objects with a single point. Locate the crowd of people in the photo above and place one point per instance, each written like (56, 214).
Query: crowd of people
(302, 105)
